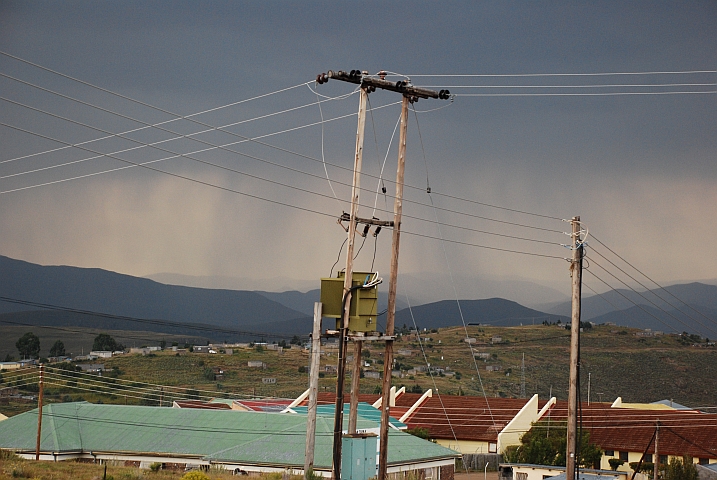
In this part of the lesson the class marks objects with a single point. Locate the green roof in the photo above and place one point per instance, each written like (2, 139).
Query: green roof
(365, 411)
(216, 435)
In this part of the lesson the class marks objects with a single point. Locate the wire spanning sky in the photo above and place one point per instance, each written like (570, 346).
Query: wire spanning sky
(632, 154)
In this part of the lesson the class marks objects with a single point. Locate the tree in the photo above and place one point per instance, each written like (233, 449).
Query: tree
(28, 345)
(680, 469)
(58, 349)
(104, 342)
(546, 446)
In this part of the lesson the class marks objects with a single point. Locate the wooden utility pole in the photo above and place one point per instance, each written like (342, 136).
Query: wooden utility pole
(39, 411)
(656, 457)
(348, 279)
(313, 391)
(576, 271)
(391, 313)
(348, 272)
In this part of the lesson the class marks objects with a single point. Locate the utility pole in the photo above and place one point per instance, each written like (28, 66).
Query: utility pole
(522, 378)
(391, 313)
(39, 411)
(656, 459)
(313, 391)
(576, 271)
(348, 278)
(410, 94)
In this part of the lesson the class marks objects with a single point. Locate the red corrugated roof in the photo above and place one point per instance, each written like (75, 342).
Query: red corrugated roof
(463, 418)
(682, 432)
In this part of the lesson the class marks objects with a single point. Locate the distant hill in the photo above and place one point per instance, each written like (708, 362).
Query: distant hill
(492, 311)
(108, 292)
(658, 309)
(648, 317)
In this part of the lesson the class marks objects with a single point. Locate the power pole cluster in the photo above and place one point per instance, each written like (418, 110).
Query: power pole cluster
(410, 95)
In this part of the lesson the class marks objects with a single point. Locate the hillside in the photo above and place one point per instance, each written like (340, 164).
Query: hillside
(621, 362)
(108, 292)
(492, 311)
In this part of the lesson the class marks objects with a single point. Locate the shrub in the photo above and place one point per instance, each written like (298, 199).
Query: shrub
(615, 463)
(195, 475)
(155, 467)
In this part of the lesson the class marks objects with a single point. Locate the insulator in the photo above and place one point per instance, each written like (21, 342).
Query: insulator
(376, 232)
(325, 78)
(319, 79)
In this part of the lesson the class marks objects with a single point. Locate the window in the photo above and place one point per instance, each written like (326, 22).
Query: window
(623, 456)
(521, 476)
(704, 461)
(492, 447)
(648, 458)
(663, 459)
(610, 453)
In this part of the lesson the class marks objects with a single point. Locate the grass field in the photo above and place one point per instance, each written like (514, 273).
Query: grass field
(620, 363)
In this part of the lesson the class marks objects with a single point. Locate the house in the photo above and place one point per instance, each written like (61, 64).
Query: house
(625, 433)
(255, 364)
(248, 442)
(92, 367)
(139, 350)
(100, 354)
(268, 380)
(202, 348)
(468, 425)
(10, 365)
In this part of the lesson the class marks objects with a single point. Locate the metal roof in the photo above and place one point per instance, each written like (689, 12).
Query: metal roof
(219, 435)
(682, 432)
(365, 411)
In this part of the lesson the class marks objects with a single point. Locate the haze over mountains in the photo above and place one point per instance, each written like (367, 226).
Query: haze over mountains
(152, 304)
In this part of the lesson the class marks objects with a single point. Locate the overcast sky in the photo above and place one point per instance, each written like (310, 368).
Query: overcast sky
(639, 169)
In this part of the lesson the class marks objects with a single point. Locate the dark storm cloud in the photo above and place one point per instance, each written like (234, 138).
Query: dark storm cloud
(638, 169)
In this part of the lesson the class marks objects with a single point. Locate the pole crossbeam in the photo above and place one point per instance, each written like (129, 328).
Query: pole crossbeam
(370, 83)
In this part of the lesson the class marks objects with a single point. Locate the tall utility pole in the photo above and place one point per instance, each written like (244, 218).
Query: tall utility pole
(410, 94)
(343, 331)
(348, 279)
(39, 411)
(391, 313)
(576, 272)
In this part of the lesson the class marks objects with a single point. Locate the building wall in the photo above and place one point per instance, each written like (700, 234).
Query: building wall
(635, 457)
(467, 446)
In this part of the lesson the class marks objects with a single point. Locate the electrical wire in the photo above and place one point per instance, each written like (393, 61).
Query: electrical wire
(174, 133)
(450, 274)
(605, 94)
(430, 373)
(650, 279)
(647, 289)
(595, 74)
(149, 126)
(650, 301)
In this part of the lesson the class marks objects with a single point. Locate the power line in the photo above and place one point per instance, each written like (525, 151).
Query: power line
(650, 301)
(665, 85)
(611, 94)
(167, 112)
(595, 74)
(650, 279)
(647, 289)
